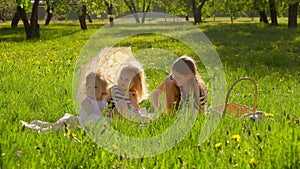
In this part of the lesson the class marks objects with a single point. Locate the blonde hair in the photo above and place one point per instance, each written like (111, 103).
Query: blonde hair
(137, 82)
(186, 65)
(93, 77)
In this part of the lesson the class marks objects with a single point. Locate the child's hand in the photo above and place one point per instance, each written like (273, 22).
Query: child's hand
(122, 108)
(154, 97)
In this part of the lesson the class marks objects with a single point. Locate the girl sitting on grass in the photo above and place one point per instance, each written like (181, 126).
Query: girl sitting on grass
(184, 82)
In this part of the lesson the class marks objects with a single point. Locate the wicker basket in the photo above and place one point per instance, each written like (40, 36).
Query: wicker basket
(239, 110)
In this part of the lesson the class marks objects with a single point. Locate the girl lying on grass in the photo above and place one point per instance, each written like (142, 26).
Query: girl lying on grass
(184, 82)
(91, 107)
(128, 93)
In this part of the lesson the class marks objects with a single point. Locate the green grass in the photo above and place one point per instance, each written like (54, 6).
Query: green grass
(36, 83)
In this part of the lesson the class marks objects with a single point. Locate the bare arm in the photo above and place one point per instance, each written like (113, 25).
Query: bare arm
(172, 95)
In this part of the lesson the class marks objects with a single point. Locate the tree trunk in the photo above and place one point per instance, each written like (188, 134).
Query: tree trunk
(186, 18)
(145, 13)
(197, 11)
(49, 15)
(263, 17)
(89, 18)
(16, 18)
(110, 14)
(20, 13)
(82, 16)
(133, 10)
(293, 11)
(273, 13)
(197, 17)
(34, 30)
(2, 19)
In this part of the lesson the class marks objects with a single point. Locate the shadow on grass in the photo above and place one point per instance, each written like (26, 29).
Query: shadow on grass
(248, 46)
(251, 45)
(49, 32)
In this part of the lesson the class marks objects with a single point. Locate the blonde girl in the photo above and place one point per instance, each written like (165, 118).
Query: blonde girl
(129, 91)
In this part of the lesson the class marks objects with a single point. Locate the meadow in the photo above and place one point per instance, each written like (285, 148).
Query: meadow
(36, 83)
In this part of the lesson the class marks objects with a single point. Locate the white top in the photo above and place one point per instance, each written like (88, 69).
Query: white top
(96, 115)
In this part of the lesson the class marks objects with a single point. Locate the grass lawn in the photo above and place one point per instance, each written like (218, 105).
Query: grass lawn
(36, 83)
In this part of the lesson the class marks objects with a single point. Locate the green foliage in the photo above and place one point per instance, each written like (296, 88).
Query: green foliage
(7, 8)
(36, 83)
(178, 7)
(26, 4)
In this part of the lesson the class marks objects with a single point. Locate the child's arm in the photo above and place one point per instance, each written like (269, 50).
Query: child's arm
(154, 97)
(134, 100)
(172, 95)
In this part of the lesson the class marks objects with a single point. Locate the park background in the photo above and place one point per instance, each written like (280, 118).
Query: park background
(36, 71)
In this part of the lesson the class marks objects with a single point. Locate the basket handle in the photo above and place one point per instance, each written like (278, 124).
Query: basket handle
(232, 86)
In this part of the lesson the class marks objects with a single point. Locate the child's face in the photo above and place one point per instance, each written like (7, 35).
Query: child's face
(95, 90)
(180, 78)
(125, 80)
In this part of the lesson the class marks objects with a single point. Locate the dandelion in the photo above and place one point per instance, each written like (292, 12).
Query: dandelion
(269, 115)
(236, 137)
(194, 167)
(38, 62)
(281, 79)
(115, 147)
(29, 60)
(291, 91)
(71, 134)
(253, 162)
(218, 145)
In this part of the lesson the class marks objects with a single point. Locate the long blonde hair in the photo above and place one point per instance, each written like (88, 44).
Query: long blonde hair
(186, 65)
(137, 82)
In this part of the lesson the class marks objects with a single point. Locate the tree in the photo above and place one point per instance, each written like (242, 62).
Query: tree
(64, 7)
(21, 7)
(6, 9)
(109, 6)
(197, 9)
(260, 6)
(32, 29)
(177, 7)
(293, 12)
(137, 6)
(273, 12)
(233, 8)
(49, 12)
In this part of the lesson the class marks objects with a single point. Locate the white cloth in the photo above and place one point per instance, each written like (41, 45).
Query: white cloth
(67, 120)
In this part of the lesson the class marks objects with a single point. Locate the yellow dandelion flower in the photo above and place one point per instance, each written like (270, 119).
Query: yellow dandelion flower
(236, 137)
(29, 60)
(253, 161)
(269, 115)
(218, 145)
(291, 91)
(194, 167)
(70, 133)
(38, 62)
(115, 147)
(281, 79)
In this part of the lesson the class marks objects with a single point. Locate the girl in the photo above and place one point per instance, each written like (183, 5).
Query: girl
(129, 92)
(184, 82)
(95, 101)
(91, 108)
